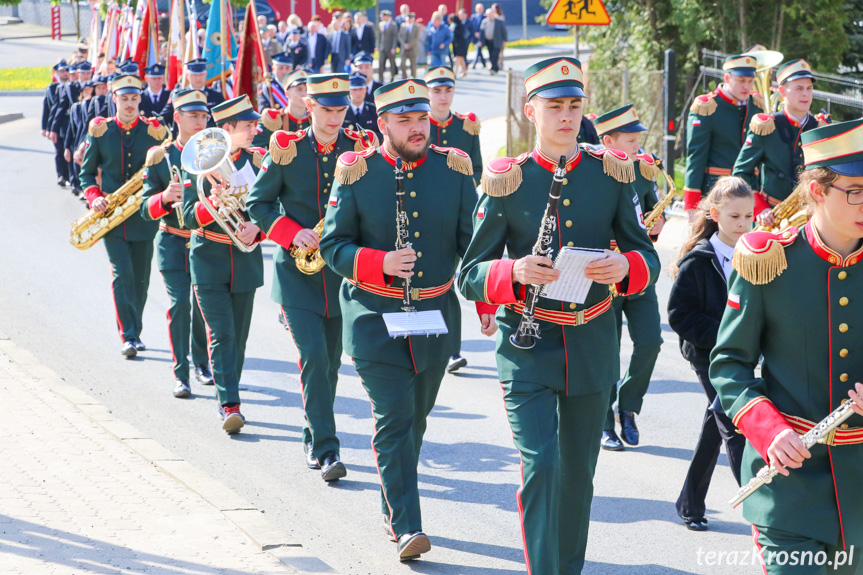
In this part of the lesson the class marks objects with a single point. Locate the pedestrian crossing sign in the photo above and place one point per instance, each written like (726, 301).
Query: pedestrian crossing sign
(578, 13)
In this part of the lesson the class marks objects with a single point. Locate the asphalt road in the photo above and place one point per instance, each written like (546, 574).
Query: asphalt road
(55, 301)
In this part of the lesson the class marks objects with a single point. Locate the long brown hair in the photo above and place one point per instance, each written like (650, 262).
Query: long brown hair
(725, 189)
(825, 178)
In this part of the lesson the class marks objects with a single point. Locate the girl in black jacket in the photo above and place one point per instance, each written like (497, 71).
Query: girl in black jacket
(695, 306)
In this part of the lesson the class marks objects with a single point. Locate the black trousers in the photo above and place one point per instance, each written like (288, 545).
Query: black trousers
(60, 163)
(715, 429)
(493, 54)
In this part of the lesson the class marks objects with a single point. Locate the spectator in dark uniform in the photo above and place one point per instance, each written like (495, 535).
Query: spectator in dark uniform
(197, 73)
(361, 112)
(297, 47)
(363, 65)
(587, 132)
(155, 97)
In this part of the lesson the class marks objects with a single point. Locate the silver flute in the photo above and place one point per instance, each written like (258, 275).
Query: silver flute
(818, 434)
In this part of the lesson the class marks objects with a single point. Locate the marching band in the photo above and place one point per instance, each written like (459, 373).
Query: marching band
(177, 173)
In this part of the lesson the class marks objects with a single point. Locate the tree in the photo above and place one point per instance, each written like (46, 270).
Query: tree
(347, 4)
(852, 60)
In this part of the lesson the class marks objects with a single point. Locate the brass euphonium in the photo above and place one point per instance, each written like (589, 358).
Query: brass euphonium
(207, 155)
(766, 60)
(309, 261)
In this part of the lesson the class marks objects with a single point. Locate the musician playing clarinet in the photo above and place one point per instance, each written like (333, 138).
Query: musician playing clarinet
(794, 298)
(557, 390)
(402, 376)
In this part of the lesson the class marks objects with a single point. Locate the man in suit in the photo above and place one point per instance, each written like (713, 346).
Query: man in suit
(363, 65)
(387, 46)
(363, 36)
(404, 14)
(155, 97)
(340, 46)
(297, 47)
(361, 112)
(269, 43)
(493, 32)
(409, 39)
(318, 48)
(476, 22)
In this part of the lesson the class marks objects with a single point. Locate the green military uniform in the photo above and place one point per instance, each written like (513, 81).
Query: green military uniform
(795, 302)
(642, 314)
(120, 151)
(459, 130)
(172, 256)
(402, 376)
(556, 393)
(291, 193)
(224, 278)
(715, 132)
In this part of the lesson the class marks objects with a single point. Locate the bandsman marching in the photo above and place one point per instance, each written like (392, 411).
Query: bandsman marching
(271, 94)
(557, 393)
(293, 117)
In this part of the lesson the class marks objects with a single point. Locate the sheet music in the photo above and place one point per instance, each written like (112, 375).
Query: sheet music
(242, 180)
(572, 285)
(403, 324)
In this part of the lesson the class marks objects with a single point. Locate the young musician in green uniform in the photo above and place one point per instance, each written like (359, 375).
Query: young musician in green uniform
(716, 129)
(402, 376)
(289, 198)
(772, 155)
(794, 300)
(293, 118)
(556, 393)
(620, 129)
(164, 182)
(117, 147)
(225, 277)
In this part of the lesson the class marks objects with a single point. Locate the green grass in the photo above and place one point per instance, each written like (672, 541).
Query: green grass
(540, 41)
(24, 78)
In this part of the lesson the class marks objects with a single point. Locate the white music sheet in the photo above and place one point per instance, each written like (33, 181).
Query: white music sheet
(573, 285)
(403, 324)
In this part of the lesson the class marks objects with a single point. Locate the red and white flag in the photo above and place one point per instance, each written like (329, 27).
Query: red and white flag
(734, 300)
(176, 44)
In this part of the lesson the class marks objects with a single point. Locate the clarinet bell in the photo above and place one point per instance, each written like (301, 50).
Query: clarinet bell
(522, 341)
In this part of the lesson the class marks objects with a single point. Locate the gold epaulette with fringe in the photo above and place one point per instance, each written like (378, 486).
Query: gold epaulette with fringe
(470, 122)
(647, 166)
(762, 124)
(704, 105)
(154, 155)
(757, 99)
(258, 156)
(283, 147)
(98, 126)
(271, 119)
(456, 159)
(759, 257)
(614, 163)
(352, 166)
(502, 177)
(155, 129)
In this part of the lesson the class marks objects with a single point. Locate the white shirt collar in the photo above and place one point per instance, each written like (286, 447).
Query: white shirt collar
(724, 253)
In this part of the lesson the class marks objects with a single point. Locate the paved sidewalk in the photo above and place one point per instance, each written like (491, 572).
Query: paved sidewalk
(77, 499)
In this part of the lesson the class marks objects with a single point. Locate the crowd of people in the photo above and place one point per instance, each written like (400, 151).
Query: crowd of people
(330, 151)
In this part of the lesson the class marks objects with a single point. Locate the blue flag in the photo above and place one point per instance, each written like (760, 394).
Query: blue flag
(217, 24)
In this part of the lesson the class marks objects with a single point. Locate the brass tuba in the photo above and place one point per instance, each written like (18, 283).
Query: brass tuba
(207, 155)
(765, 61)
(309, 261)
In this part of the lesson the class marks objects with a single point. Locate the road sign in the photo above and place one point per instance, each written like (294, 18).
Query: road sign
(578, 13)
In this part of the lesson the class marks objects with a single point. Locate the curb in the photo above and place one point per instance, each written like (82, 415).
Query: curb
(245, 516)
(22, 92)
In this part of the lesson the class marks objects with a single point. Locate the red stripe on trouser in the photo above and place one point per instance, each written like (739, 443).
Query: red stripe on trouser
(755, 535)
(518, 493)
(116, 309)
(375, 451)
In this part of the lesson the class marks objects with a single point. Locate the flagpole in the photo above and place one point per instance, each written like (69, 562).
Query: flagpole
(223, 41)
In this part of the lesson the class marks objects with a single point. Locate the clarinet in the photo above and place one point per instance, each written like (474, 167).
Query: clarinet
(818, 434)
(528, 329)
(402, 230)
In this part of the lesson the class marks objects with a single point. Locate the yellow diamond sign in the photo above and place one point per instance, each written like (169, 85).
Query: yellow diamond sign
(578, 13)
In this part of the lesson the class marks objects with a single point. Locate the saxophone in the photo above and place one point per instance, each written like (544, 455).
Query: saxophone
(309, 261)
(819, 434)
(789, 212)
(657, 211)
(122, 203)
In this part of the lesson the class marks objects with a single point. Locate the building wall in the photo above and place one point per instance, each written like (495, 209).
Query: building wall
(39, 12)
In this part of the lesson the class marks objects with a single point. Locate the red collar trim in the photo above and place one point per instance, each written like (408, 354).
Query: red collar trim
(443, 124)
(178, 145)
(126, 126)
(406, 166)
(297, 120)
(722, 94)
(235, 157)
(328, 147)
(550, 164)
(827, 254)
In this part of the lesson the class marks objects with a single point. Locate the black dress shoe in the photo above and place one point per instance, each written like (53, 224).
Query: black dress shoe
(412, 545)
(182, 388)
(203, 375)
(61, 181)
(311, 460)
(139, 345)
(129, 349)
(456, 362)
(628, 429)
(388, 527)
(77, 192)
(332, 469)
(610, 441)
(695, 523)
